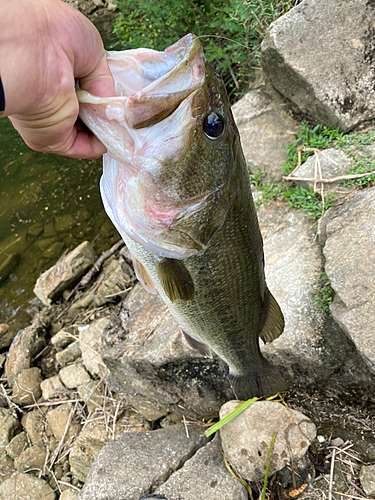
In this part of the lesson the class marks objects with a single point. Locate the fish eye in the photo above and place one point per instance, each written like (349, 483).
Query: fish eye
(213, 126)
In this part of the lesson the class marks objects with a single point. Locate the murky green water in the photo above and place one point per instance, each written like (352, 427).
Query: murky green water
(48, 205)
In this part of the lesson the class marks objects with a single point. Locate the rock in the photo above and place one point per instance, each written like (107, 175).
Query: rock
(136, 463)
(49, 229)
(246, 439)
(52, 388)
(7, 265)
(26, 486)
(9, 424)
(27, 344)
(91, 394)
(74, 375)
(35, 425)
(26, 388)
(319, 56)
(61, 421)
(69, 354)
(64, 223)
(7, 335)
(266, 128)
(348, 236)
(2, 360)
(17, 445)
(35, 229)
(68, 495)
(367, 478)
(64, 273)
(31, 458)
(115, 277)
(204, 476)
(92, 439)
(152, 364)
(6, 466)
(90, 341)
(54, 251)
(62, 338)
(342, 163)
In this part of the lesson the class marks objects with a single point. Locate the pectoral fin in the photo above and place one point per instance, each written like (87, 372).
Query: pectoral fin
(143, 276)
(176, 279)
(199, 346)
(274, 324)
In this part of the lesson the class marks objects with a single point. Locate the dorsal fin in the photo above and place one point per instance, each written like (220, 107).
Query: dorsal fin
(176, 279)
(274, 324)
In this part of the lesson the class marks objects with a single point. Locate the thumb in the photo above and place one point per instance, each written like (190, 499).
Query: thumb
(100, 81)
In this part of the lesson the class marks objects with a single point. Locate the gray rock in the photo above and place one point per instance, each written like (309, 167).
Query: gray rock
(319, 56)
(26, 388)
(52, 388)
(61, 421)
(115, 277)
(6, 466)
(90, 341)
(17, 445)
(26, 486)
(68, 495)
(367, 478)
(7, 334)
(32, 458)
(9, 424)
(69, 354)
(155, 368)
(266, 128)
(35, 425)
(74, 375)
(348, 236)
(136, 463)
(27, 344)
(330, 169)
(62, 338)
(247, 439)
(64, 273)
(204, 476)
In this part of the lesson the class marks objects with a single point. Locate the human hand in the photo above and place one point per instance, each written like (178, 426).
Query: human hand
(44, 46)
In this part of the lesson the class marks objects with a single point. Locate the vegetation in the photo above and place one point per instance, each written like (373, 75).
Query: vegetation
(231, 31)
(324, 296)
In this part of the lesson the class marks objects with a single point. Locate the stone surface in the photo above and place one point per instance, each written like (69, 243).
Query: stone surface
(9, 424)
(17, 445)
(31, 458)
(27, 344)
(90, 342)
(69, 354)
(26, 486)
(136, 463)
(7, 335)
(62, 338)
(68, 495)
(266, 128)
(6, 466)
(320, 56)
(26, 388)
(115, 277)
(246, 439)
(367, 478)
(74, 375)
(64, 273)
(52, 388)
(155, 368)
(348, 236)
(329, 169)
(91, 394)
(204, 476)
(34, 424)
(61, 421)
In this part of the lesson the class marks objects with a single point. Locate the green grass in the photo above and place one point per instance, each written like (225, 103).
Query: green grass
(324, 296)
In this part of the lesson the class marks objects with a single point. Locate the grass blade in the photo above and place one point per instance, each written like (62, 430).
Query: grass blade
(268, 466)
(229, 417)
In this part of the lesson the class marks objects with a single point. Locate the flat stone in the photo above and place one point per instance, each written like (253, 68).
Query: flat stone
(26, 388)
(69, 354)
(62, 338)
(9, 424)
(90, 341)
(318, 55)
(61, 422)
(204, 476)
(136, 463)
(31, 458)
(34, 424)
(64, 273)
(348, 236)
(367, 478)
(265, 128)
(68, 495)
(27, 344)
(151, 363)
(52, 388)
(74, 375)
(247, 439)
(17, 445)
(25, 486)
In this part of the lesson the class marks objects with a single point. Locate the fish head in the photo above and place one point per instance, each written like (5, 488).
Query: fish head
(169, 172)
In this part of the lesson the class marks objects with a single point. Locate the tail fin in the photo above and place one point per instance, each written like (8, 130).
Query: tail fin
(266, 381)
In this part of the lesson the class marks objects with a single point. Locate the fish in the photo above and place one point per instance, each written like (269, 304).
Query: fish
(176, 186)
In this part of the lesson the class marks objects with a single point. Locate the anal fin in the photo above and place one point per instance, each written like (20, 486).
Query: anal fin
(176, 279)
(143, 276)
(274, 324)
(199, 346)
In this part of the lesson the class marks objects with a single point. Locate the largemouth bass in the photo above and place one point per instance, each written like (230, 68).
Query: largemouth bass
(176, 186)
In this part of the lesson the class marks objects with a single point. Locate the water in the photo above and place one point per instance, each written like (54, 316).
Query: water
(48, 205)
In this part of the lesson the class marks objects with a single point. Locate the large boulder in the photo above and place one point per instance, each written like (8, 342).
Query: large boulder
(320, 56)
